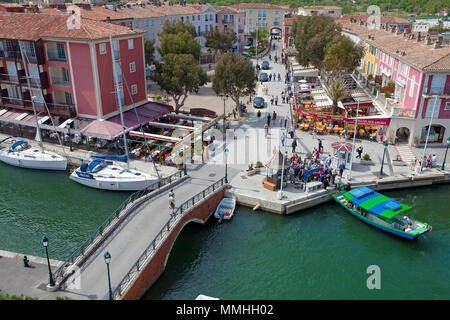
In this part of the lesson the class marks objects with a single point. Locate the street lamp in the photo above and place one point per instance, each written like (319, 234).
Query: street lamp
(382, 161)
(70, 140)
(226, 165)
(445, 157)
(224, 97)
(51, 283)
(107, 258)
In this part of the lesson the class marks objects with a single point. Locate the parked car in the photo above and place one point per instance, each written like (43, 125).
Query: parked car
(259, 102)
(263, 77)
(265, 65)
(246, 55)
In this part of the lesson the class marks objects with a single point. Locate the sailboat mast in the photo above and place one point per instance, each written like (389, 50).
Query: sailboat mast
(119, 100)
(31, 94)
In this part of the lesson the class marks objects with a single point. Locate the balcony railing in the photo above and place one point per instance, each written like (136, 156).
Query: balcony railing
(7, 78)
(55, 56)
(59, 81)
(10, 55)
(54, 108)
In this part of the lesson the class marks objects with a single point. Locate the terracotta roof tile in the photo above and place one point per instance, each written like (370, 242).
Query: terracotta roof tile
(31, 26)
(149, 11)
(417, 54)
(94, 13)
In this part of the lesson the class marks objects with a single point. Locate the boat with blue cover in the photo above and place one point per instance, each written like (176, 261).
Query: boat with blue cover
(381, 212)
(21, 154)
(101, 173)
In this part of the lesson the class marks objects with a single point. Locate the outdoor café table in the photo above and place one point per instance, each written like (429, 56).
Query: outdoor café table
(329, 129)
(337, 129)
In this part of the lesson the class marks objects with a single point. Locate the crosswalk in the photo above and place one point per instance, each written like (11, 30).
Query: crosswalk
(405, 152)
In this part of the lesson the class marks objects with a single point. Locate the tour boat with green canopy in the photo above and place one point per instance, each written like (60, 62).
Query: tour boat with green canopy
(381, 211)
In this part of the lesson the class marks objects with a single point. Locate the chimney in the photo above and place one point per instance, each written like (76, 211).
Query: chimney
(108, 19)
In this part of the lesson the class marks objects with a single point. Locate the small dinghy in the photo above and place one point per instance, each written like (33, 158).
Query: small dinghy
(225, 209)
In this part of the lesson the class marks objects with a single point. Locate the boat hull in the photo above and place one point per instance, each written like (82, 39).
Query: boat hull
(379, 226)
(57, 163)
(230, 207)
(123, 185)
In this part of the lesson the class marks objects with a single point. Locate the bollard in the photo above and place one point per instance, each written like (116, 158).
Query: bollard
(25, 262)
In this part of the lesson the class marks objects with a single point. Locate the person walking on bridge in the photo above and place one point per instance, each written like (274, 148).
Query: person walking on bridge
(172, 201)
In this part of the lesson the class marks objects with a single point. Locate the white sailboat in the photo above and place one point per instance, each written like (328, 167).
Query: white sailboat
(21, 154)
(101, 173)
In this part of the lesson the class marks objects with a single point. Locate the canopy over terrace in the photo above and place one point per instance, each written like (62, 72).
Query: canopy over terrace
(112, 128)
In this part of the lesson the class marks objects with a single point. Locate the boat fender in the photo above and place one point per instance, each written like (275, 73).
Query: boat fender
(13, 141)
(227, 213)
(256, 207)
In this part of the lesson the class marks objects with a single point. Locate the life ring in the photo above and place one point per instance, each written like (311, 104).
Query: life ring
(13, 141)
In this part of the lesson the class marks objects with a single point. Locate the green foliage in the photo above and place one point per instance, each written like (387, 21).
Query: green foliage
(14, 297)
(178, 75)
(175, 27)
(234, 76)
(312, 34)
(219, 41)
(391, 84)
(387, 94)
(149, 50)
(262, 34)
(366, 157)
(337, 91)
(180, 43)
(342, 54)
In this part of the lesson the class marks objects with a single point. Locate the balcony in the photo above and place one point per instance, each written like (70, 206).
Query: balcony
(227, 21)
(39, 82)
(10, 55)
(405, 113)
(56, 109)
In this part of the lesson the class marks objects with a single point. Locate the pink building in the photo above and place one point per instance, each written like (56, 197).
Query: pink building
(70, 70)
(419, 68)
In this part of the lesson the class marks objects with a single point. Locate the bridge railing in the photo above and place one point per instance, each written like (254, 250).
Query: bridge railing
(60, 273)
(151, 249)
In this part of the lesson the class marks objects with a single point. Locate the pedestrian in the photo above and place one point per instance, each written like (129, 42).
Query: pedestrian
(276, 100)
(283, 138)
(320, 147)
(259, 115)
(209, 66)
(294, 145)
(359, 151)
(279, 77)
(283, 98)
(281, 123)
(271, 101)
(270, 77)
(291, 132)
(172, 201)
(268, 119)
(274, 116)
(285, 121)
(341, 169)
(266, 129)
(274, 76)
(267, 91)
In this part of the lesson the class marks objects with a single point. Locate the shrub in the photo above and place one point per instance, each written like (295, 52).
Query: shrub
(387, 94)
(366, 157)
(259, 164)
(158, 97)
(250, 166)
(391, 84)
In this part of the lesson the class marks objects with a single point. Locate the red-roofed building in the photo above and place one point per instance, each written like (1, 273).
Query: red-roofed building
(70, 69)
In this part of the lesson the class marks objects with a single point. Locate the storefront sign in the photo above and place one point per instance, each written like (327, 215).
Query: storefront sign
(377, 122)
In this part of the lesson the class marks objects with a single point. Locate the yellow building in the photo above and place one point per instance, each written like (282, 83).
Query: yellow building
(262, 15)
(371, 60)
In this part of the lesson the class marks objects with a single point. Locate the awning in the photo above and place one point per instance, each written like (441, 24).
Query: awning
(112, 128)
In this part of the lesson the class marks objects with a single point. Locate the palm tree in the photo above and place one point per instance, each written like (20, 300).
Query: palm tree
(336, 91)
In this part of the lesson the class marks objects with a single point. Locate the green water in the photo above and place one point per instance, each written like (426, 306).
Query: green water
(320, 253)
(34, 203)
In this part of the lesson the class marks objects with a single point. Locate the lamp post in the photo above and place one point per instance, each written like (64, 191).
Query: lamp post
(224, 97)
(107, 258)
(51, 283)
(353, 144)
(70, 140)
(382, 161)
(226, 164)
(445, 157)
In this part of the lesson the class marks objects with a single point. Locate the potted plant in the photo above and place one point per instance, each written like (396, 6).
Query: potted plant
(250, 170)
(366, 160)
(398, 161)
(258, 166)
(387, 94)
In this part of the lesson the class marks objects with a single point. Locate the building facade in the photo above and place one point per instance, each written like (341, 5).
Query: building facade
(332, 11)
(69, 70)
(233, 20)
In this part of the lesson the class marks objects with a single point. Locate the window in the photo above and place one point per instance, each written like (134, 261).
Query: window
(430, 107)
(250, 21)
(438, 83)
(412, 85)
(276, 22)
(250, 11)
(193, 18)
(130, 44)
(102, 48)
(199, 18)
(210, 17)
(133, 88)
(447, 106)
(276, 12)
(132, 67)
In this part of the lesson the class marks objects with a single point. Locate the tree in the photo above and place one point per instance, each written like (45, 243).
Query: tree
(234, 76)
(179, 43)
(174, 27)
(337, 91)
(149, 50)
(311, 36)
(178, 75)
(262, 34)
(219, 41)
(342, 54)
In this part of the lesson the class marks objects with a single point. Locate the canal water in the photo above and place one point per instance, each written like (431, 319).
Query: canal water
(320, 253)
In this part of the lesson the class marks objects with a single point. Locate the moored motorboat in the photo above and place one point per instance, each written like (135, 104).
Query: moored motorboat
(21, 154)
(381, 212)
(104, 174)
(225, 209)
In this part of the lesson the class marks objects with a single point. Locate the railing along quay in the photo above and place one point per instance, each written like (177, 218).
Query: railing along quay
(151, 249)
(60, 274)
